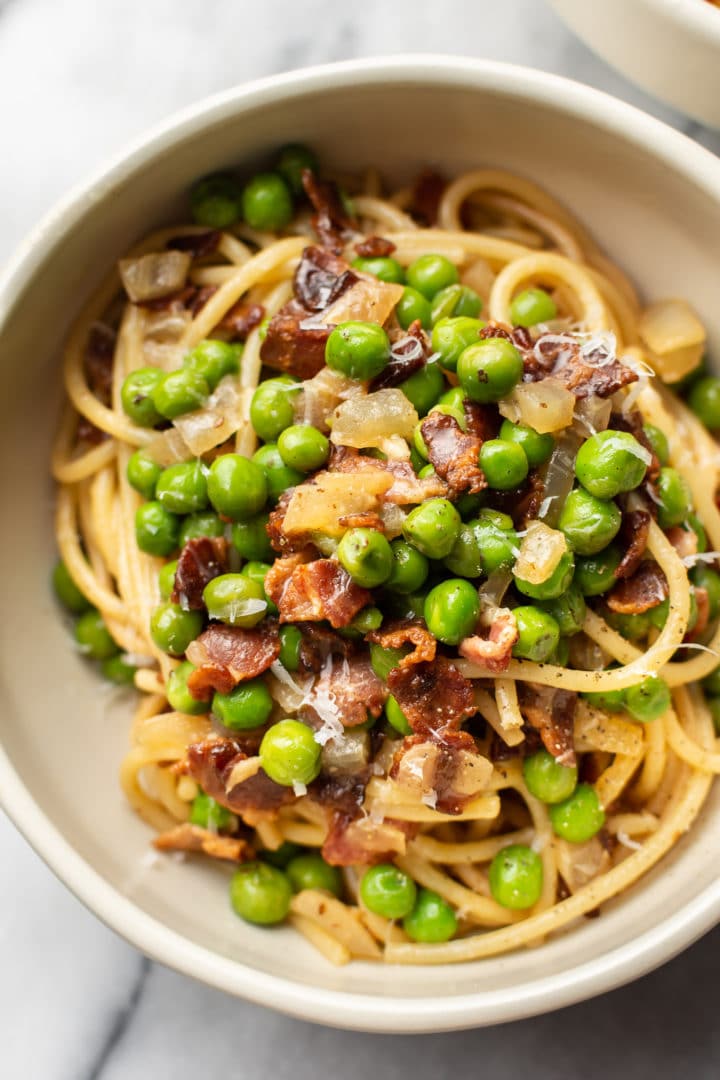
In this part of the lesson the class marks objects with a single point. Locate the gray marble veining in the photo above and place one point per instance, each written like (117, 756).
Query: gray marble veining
(78, 78)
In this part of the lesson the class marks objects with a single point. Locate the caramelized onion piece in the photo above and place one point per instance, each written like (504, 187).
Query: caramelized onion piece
(546, 405)
(152, 276)
(675, 337)
(370, 420)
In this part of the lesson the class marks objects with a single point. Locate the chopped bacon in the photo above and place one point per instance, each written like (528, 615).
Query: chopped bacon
(201, 297)
(331, 221)
(196, 244)
(279, 539)
(494, 650)
(593, 372)
(409, 354)
(530, 499)
(290, 346)
(702, 599)
(367, 520)
(211, 762)
(447, 765)
(86, 432)
(374, 247)
(240, 319)
(520, 336)
(173, 301)
(552, 713)
(318, 642)
(310, 591)
(453, 453)
(187, 837)
(632, 422)
(353, 839)
(634, 532)
(426, 195)
(434, 696)
(646, 589)
(483, 421)
(99, 355)
(227, 655)
(404, 632)
(201, 559)
(321, 277)
(348, 688)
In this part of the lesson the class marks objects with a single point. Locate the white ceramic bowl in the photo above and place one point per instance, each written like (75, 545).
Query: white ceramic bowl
(669, 47)
(649, 194)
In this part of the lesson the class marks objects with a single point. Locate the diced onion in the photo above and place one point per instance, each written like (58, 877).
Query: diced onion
(540, 552)
(674, 336)
(348, 753)
(559, 476)
(168, 448)
(545, 406)
(220, 417)
(368, 300)
(317, 397)
(320, 505)
(155, 275)
(370, 420)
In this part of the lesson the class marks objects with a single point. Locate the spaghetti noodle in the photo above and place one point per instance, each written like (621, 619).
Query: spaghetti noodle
(384, 506)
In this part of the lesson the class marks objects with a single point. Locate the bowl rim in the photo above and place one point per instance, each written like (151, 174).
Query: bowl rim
(696, 13)
(340, 1008)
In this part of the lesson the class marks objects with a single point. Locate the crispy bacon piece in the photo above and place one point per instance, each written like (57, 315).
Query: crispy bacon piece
(520, 336)
(483, 421)
(634, 532)
(494, 650)
(240, 319)
(367, 520)
(434, 696)
(310, 591)
(279, 539)
(348, 687)
(227, 655)
(290, 346)
(187, 837)
(321, 277)
(318, 642)
(426, 195)
(646, 589)
(99, 356)
(453, 453)
(405, 632)
(592, 373)
(632, 422)
(374, 247)
(353, 839)
(409, 354)
(211, 762)
(552, 713)
(447, 765)
(201, 297)
(201, 559)
(331, 221)
(530, 499)
(196, 244)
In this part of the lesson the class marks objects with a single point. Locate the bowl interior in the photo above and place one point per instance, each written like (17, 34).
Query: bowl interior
(63, 732)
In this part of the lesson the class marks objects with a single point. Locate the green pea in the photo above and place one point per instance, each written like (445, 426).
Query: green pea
(675, 498)
(237, 487)
(561, 656)
(658, 441)
(423, 388)
(215, 201)
(693, 524)
(451, 610)
(209, 814)
(432, 920)
(292, 162)
(412, 306)
(455, 398)
(504, 464)
(414, 605)
(704, 400)
(360, 350)
(137, 396)
(706, 578)
(205, 523)
(278, 475)
(489, 370)
(272, 408)
(454, 301)
(433, 528)
(532, 306)
(212, 360)
(370, 618)
(409, 568)
(367, 557)
(257, 571)
(498, 541)
(260, 893)
(611, 700)
(251, 538)
(595, 574)
(395, 717)
(182, 488)
(156, 529)
(281, 856)
(383, 268)
(516, 877)
(289, 754)
(579, 817)
(466, 556)
(166, 579)
(589, 523)
(178, 695)
(658, 614)
(291, 640)
(267, 203)
(143, 473)
(93, 637)
(553, 586)
(388, 891)
(547, 779)
(568, 610)
(303, 447)
(312, 872)
(711, 682)
(180, 392)
(450, 338)
(648, 699)
(431, 273)
(235, 599)
(610, 462)
(538, 634)
(537, 447)
(383, 659)
(67, 591)
(118, 671)
(172, 629)
(247, 706)
(632, 627)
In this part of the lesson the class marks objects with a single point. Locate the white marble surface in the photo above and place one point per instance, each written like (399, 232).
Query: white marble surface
(77, 79)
